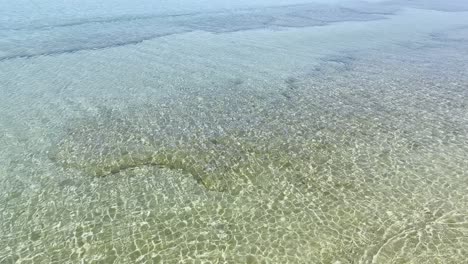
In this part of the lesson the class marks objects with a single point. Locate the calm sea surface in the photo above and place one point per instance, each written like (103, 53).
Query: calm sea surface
(213, 132)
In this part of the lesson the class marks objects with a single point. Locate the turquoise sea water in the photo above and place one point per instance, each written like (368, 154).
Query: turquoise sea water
(215, 132)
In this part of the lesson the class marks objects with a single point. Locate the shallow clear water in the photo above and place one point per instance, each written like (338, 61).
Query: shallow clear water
(273, 132)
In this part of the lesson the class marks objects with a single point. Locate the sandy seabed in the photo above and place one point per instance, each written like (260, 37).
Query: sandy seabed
(336, 144)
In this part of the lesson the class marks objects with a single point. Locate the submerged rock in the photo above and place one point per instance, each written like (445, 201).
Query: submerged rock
(110, 143)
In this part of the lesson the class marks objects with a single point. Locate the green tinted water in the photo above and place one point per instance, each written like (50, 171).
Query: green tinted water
(258, 151)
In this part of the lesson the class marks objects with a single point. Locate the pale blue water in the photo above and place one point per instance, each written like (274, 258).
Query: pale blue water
(233, 132)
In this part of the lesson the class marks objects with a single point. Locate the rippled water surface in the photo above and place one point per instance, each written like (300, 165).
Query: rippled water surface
(209, 132)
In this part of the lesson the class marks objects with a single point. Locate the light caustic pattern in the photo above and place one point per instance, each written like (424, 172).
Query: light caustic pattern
(362, 160)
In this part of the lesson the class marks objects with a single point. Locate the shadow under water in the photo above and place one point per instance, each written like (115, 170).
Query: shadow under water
(351, 161)
(362, 159)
